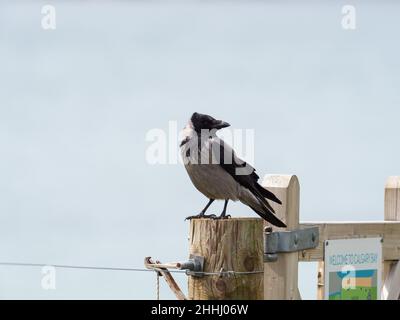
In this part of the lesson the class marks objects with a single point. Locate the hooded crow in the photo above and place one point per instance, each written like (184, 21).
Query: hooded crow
(218, 173)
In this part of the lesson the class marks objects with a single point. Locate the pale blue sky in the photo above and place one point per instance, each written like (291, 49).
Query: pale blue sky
(76, 103)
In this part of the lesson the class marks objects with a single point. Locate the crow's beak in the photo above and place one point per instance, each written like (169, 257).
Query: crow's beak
(219, 124)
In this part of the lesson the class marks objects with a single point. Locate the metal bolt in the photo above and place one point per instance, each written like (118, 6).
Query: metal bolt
(270, 257)
(268, 229)
(313, 237)
(296, 239)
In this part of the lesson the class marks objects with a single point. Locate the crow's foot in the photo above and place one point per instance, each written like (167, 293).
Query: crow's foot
(223, 217)
(202, 216)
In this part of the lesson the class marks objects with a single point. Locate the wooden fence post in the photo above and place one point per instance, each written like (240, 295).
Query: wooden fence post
(321, 281)
(281, 277)
(234, 244)
(391, 269)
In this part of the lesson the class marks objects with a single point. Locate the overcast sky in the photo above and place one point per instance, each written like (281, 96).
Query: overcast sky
(77, 102)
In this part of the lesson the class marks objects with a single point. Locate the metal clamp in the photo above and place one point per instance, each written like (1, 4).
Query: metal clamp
(194, 266)
(289, 241)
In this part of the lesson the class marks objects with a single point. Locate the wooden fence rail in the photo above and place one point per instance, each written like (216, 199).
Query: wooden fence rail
(389, 231)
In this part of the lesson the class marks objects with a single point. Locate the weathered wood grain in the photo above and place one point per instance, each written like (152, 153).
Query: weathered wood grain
(234, 244)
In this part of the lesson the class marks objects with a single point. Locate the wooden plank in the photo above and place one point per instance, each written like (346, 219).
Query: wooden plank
(281, 277)
(321, 281)
(392, 199)
(389, 231)
(234, 244)
(391, 287)
(391, 272)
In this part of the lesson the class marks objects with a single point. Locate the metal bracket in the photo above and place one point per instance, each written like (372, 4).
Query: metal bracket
(289, 241)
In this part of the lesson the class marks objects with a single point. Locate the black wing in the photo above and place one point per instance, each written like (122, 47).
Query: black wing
(247, 177)
(241, 171)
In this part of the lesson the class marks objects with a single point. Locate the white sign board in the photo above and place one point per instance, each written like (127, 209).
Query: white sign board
(353, 269)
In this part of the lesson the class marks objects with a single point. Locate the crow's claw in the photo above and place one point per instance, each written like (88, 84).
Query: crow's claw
(224, 217)
(202, 216)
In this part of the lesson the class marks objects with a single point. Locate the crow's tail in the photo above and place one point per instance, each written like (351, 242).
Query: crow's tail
(267, 194)
(270, 217)
(261, 206)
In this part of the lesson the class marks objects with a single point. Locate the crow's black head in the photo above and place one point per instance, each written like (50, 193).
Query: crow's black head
(206, 122)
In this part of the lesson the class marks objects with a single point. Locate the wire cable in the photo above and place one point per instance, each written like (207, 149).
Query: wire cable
(64, 266)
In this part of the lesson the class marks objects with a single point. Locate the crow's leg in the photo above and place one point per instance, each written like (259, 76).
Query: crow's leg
(223, 214)
(202, 213)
